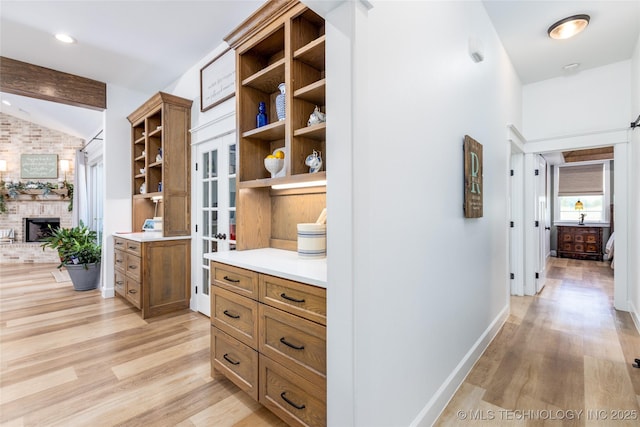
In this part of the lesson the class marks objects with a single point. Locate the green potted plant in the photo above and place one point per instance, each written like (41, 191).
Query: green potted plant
(79, 253)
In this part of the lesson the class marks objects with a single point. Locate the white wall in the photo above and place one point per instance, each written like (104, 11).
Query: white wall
(117, 172)
(592, 100)
(634, 193)
(429, 287)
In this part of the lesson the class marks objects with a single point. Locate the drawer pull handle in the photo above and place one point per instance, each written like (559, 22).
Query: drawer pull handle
(133, 291)
(133, 248)
(133, 267)
(233, 316)
(293, 346)
(233, 362)
(285, 296)
(118, 243)
(295, 405)
(229, 279)
(120, 283)
(119, 261)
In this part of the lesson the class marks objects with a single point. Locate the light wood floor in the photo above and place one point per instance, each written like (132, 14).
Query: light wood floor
(562, 358)
(75, 359)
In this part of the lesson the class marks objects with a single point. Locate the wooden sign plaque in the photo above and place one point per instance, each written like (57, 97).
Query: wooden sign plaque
(473, 172)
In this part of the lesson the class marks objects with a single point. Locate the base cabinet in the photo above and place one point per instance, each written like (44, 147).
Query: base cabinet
(268, 336)
(580, 242)
(154, 276)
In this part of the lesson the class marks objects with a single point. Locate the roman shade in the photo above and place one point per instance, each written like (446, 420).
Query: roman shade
(581, 180)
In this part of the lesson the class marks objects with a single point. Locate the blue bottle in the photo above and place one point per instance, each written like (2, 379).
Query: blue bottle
(261, 118)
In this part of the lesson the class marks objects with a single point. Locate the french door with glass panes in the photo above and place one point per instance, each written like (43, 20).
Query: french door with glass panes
(216, 207)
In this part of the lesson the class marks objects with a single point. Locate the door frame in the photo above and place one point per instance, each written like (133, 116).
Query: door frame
(221, 121)
(620, 140)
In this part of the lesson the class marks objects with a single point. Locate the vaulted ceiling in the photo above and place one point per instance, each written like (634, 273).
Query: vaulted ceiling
(146, 45)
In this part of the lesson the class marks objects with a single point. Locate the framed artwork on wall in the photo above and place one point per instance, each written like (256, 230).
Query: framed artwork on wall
(218, 80)
(473, 189)
(37, 166)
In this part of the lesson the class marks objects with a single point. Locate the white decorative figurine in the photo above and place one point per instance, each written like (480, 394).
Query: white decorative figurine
(314, 161)
(316, 117)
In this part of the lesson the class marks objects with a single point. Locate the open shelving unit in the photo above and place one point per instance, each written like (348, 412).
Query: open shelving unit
(160, 127)
(285, 45)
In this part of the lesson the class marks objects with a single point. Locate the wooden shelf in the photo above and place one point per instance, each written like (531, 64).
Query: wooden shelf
(270, 132)
(317, 132)
(314, 93)
(140, 140)
(291, 179)
(267, 79)
(155, 132)
(137, 159)
(313, 53)
(156, 164)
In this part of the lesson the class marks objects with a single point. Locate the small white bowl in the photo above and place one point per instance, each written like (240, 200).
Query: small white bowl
(142, 170)
(273, 165)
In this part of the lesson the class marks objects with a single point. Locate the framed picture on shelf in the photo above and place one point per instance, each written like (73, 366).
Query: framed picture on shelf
(218, 80)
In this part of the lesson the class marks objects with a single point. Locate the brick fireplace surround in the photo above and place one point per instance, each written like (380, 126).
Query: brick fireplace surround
(18, 137)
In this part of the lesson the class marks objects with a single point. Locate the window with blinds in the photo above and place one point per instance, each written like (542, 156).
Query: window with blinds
(584, 183)
(581, 180)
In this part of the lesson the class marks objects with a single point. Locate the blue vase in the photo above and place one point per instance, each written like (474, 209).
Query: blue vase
(280, 103)
(261, 118)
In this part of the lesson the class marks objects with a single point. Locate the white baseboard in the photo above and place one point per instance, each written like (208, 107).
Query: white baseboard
(635, 316)
(441, 398)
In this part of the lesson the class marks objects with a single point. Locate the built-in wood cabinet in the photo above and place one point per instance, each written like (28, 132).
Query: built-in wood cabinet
(161, 159)
(283, 42)
(580, 242)
(268, 336)
(154, 276)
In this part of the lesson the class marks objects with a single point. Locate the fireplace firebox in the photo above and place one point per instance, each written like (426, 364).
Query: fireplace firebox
(36, 229)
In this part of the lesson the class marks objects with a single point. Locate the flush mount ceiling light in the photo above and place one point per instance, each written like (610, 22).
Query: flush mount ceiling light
(65, 38)
(568, 27)
(7, 103)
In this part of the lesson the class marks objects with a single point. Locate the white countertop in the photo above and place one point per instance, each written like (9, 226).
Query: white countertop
(149, 236)
(277, 262)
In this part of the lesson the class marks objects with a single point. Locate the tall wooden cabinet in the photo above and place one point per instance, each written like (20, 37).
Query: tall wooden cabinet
(152, 270)
(283, 42)
(161, 156)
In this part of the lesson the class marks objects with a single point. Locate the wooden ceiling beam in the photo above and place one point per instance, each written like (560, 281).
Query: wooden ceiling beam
(604, 153)
(33, 81)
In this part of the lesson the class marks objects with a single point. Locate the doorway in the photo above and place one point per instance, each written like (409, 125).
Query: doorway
(215, 207)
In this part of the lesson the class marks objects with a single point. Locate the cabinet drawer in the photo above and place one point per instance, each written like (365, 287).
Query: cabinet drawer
(119, 243)
(119, 283)
(119, 260)
(133, 267)
(300, 299)
(133, 292)
(296, 400)
(237, 361)
(236, 315)
(296, 343)
(133, 247)
(239, 280)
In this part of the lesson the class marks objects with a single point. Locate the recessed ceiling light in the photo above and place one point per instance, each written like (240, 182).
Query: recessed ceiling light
(65, 38)
(571, 66)
(568, 27)
(7, 103)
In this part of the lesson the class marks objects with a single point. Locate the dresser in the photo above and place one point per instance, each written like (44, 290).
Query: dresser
(153, 272)
(268, 335)
(580, 242)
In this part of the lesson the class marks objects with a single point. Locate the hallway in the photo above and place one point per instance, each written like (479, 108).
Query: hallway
(562, 357)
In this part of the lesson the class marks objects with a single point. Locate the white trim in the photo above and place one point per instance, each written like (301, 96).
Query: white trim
(439, 401)
(205, 125)
(635, 316)
(590, 140)
(515, 137)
